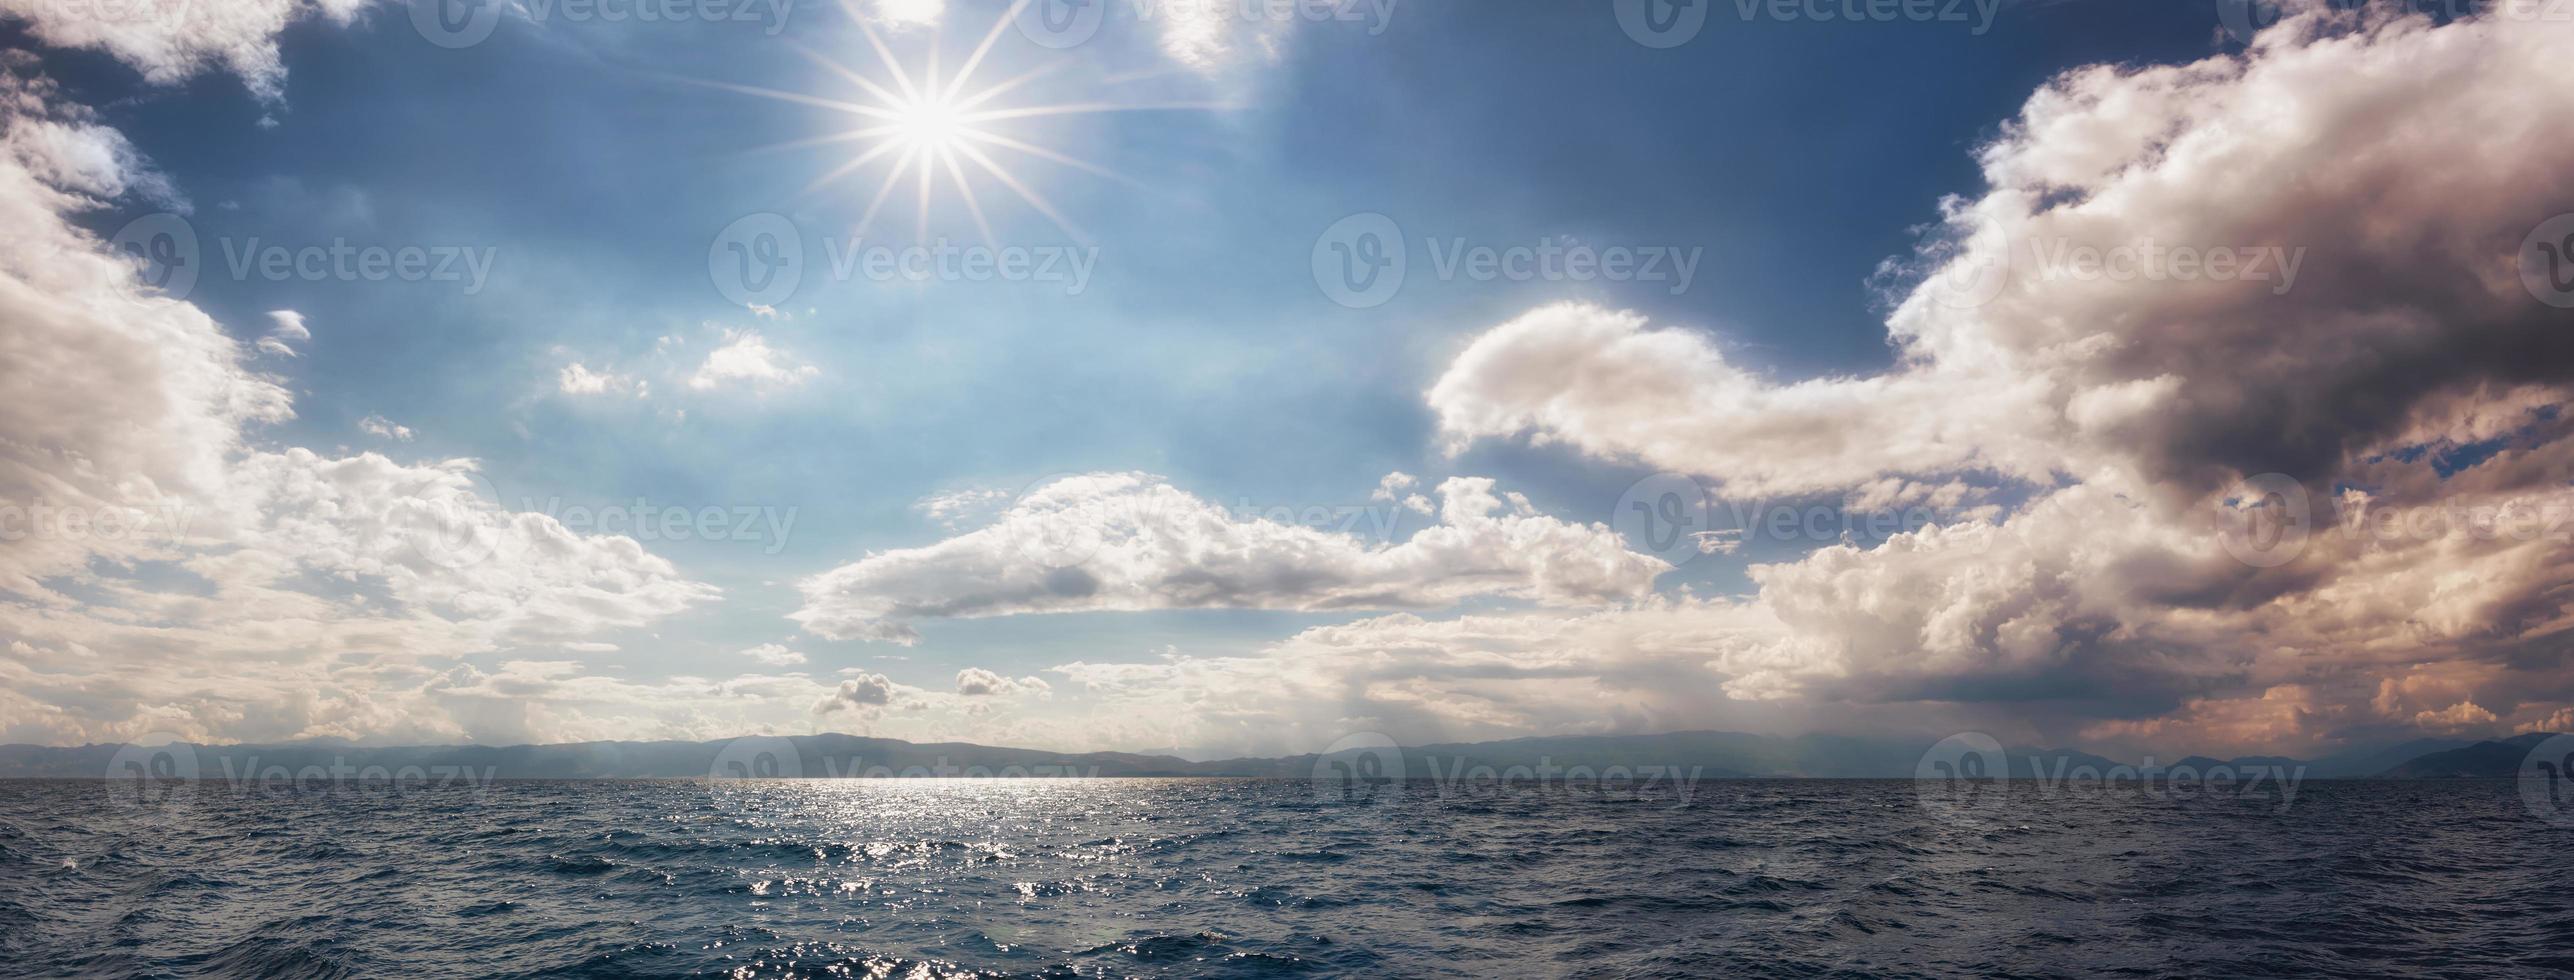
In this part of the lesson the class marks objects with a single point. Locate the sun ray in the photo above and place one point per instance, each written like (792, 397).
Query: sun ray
(892, 180)
(920, 227)
(1034, 150)
(852, 108)
(965, 189)
(844, 71)
(1034, 199)
(849, 136)
(902, 80)
(1004, 88)
(972, 61)
(852, 166)
(1085, 108)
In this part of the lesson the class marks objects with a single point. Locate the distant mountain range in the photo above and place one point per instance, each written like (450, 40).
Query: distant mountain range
(1699, 755)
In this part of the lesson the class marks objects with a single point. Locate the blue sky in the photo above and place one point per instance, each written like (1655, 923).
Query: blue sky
(1800, 166)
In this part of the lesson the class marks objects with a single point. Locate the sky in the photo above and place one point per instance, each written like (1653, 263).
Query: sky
(1240, 378)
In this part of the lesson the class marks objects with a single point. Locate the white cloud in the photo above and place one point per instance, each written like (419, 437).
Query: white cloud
(746, 358)
(170, 40)
(976, 682)
(910, 13)
(577, 378)
(2125, 409)
(209, 587)
(1128, 541)
(384, 428)
(954, 509)
(289, 325)
(774, 655)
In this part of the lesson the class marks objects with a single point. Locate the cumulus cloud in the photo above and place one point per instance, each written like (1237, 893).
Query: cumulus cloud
(864, 694)
(1129, 541)
(172, 575)
(2369, 342)
(384, 428)
(577, 378)
(745, 358)
(976, 682)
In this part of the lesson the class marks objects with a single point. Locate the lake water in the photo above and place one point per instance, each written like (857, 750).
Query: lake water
(1110, 877)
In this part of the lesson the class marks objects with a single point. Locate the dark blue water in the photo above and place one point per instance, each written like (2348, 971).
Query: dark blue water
(929, 878)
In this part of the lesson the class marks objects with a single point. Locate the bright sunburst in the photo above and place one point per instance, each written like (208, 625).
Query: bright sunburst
(926, 131)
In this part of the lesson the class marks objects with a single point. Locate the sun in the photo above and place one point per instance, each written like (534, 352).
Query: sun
(928, 130)
(930, 125)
